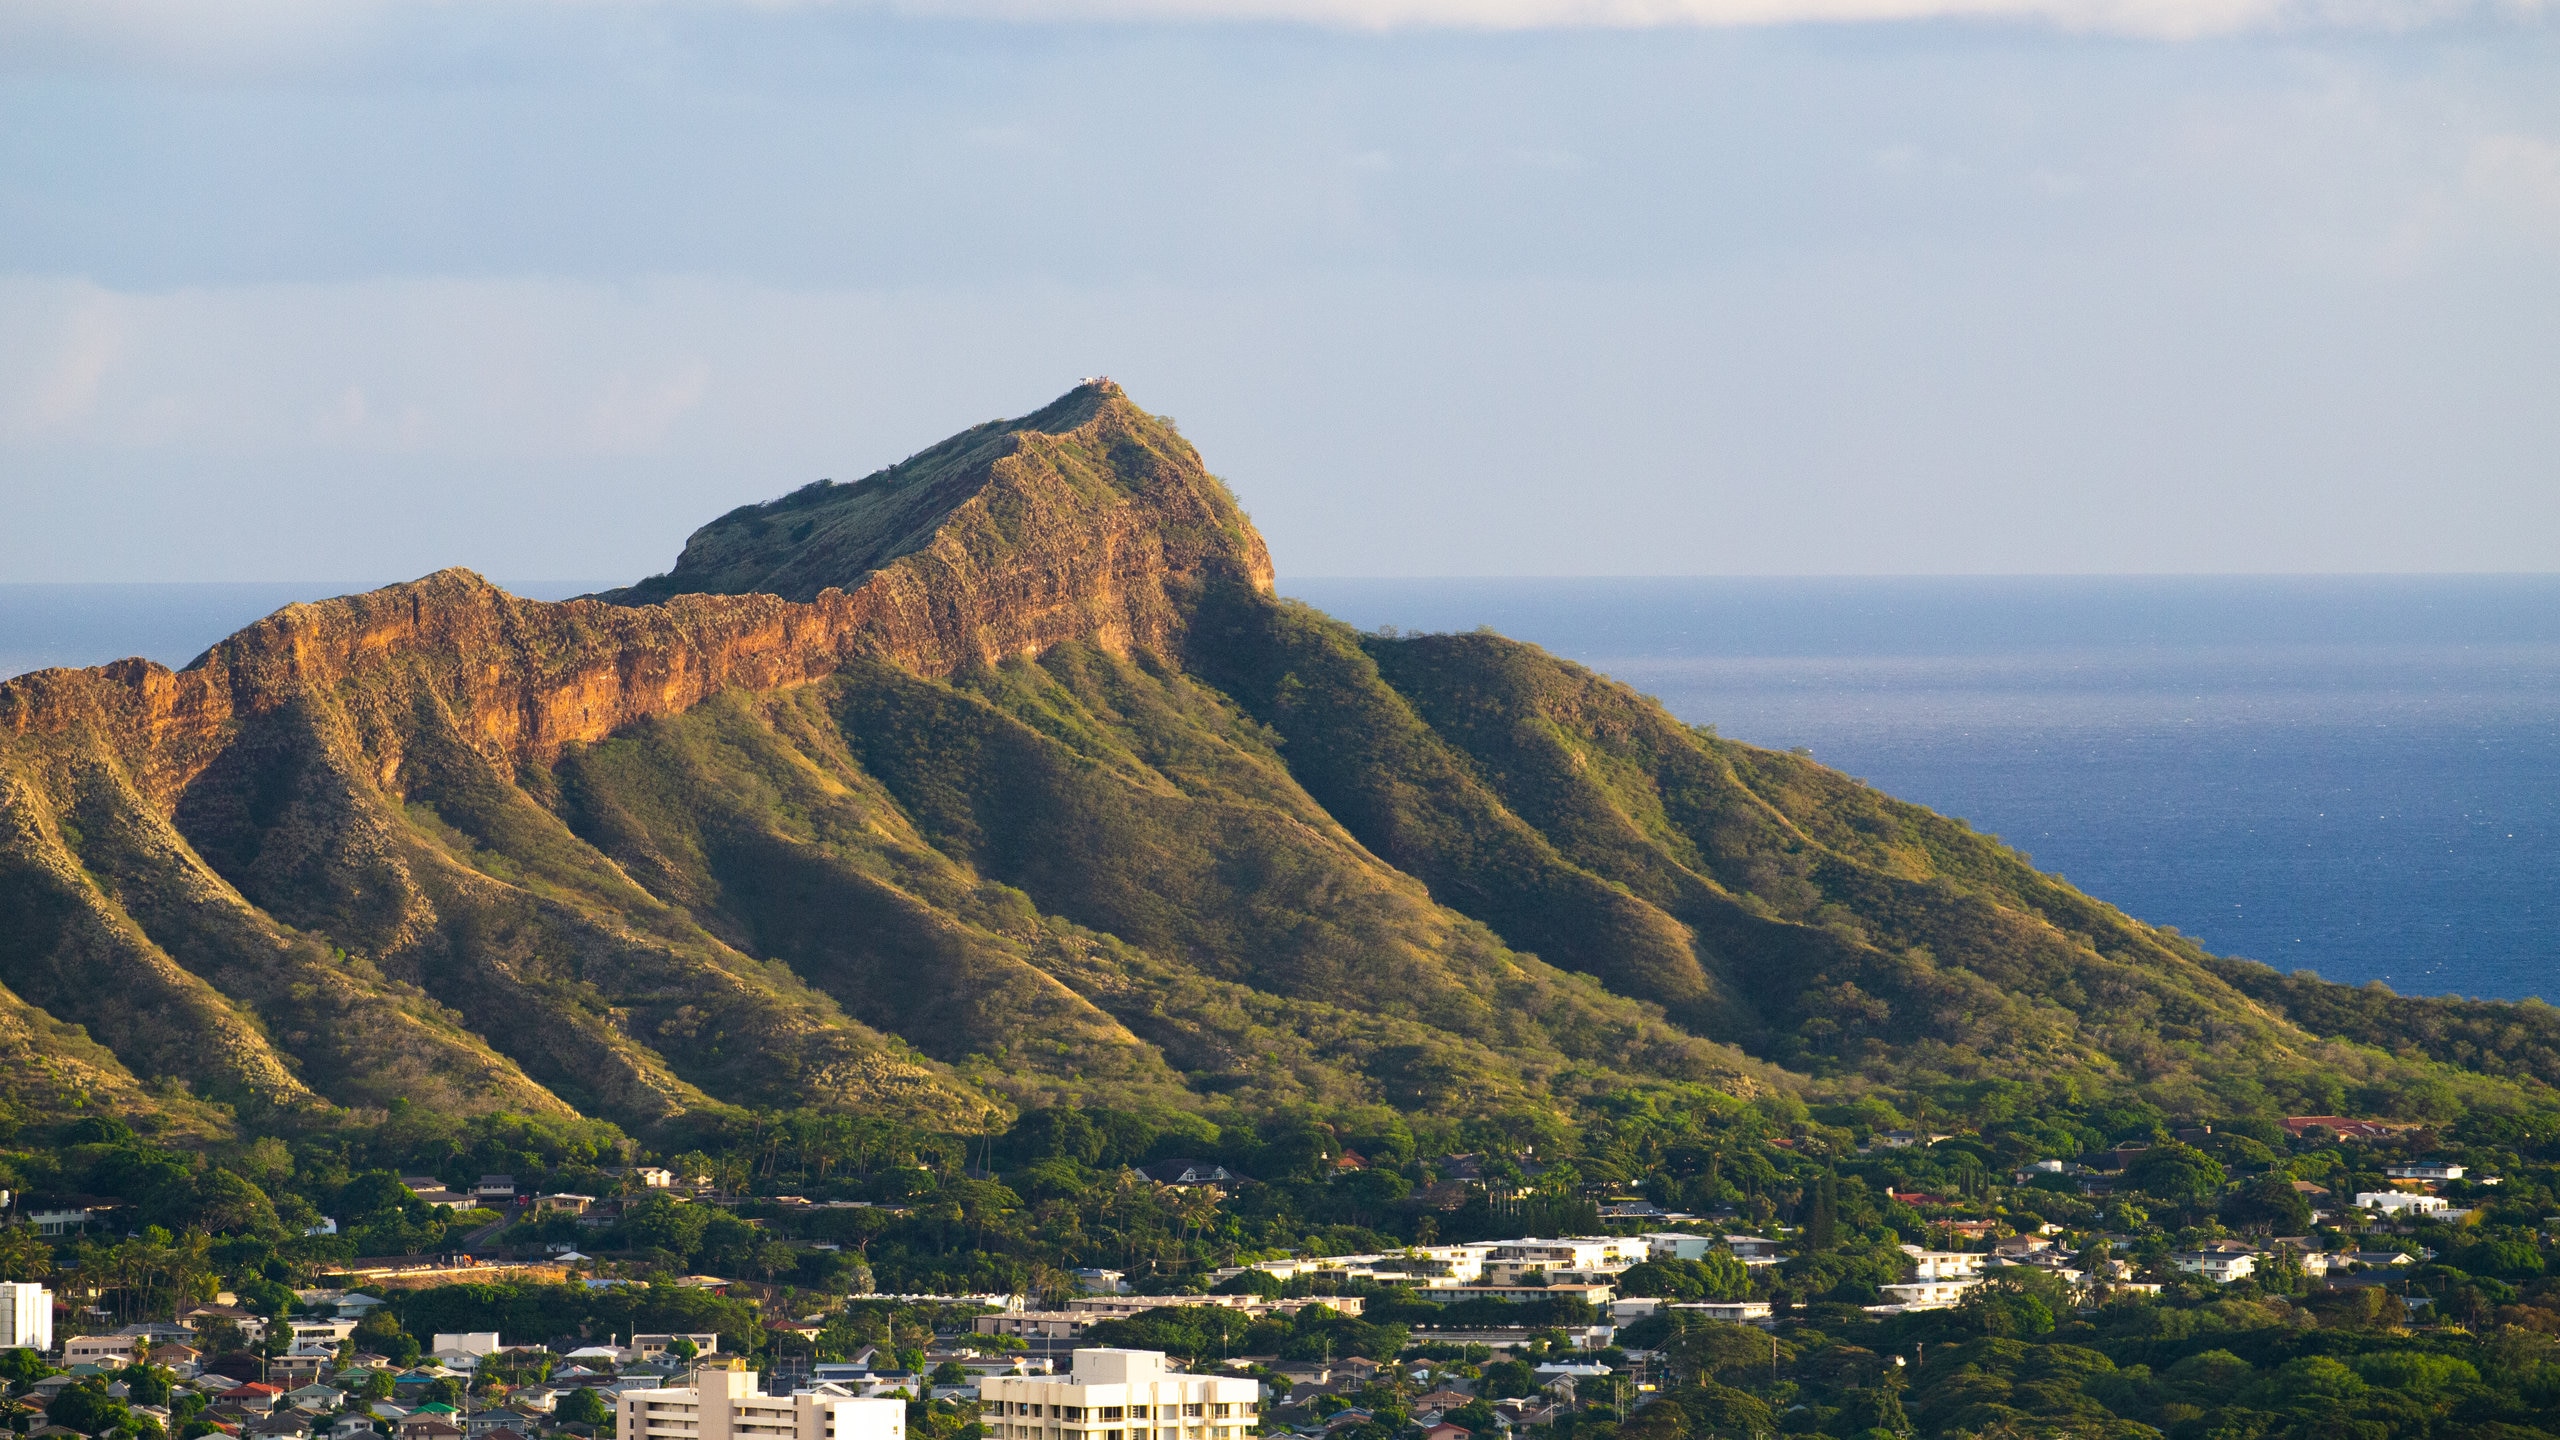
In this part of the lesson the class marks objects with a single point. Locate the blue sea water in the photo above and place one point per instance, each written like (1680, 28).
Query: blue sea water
(2360, 776)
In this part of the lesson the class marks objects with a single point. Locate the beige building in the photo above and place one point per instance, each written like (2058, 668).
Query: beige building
(1119, 1395)
(722, 1403)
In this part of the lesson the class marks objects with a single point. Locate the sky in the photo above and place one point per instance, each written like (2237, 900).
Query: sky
(359, 290)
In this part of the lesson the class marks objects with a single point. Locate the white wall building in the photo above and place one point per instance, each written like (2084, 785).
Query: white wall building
(1677, 1245)
(1926, 1294)
(2399, 1202)
(1119, 1395)
(1583, 1260)
(99, 1349)
(722, 1404)
(2426, 1170)
(26, 1316)
(2219, 1266)
(1943, 1264)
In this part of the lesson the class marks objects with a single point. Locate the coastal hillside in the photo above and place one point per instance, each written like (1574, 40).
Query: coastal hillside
(1001, 778)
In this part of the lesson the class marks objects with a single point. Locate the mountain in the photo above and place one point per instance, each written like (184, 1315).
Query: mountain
(998, 777)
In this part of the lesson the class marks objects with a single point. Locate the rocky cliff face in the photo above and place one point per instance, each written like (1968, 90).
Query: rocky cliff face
(995, 777)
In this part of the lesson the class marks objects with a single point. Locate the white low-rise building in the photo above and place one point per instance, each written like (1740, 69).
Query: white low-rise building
(1943, 1264)
(99, 1349)
(2220, 1266)
(2426, 1170)
(1119, 1395)
(1927, 1294)
(723, 1403)
(1582, 1260)
(1740, 1312)
(2401, 1202)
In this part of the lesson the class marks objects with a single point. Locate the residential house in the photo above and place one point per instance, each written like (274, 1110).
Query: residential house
(1943, 1264)
(1446, 1431)
(2220, 1265)
(1184, 1174)
(474, 1343)
(352, 1427)
(2437, 1170)
(1923, 1295)
(315, 1397)
(53, 1224)
(650, 1347)
(1096, 1281)
(433, 1191)
(426, 1427)
(497, 1192)
(1676, 1245)
(1738, 1312)
(2401, 1202)
(256, 1395)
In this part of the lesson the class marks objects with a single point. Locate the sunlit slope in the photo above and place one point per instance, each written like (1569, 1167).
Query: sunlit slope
(1001, 778)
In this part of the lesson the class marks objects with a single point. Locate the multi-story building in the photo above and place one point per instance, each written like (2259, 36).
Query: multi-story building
(723, 1403)
(1583, 1260)
(98, 1349)
(1119, 1395)
(1924, 1294)
(2220, 1266)
(1943, 1264)
(2426, 1170)
(26, 1316)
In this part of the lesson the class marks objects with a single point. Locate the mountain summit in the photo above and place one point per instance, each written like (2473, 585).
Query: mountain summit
(1001, 777)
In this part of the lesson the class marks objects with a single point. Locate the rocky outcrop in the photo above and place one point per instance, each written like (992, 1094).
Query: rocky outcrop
(1013, 543)
(317, 757)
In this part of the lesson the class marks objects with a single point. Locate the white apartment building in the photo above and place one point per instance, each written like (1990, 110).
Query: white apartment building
(1927, 1294)
(26, 1316)
(1943, 1264)
(1119, 1395)
(99, 1349)
(722, 1403)
(1584, 1260)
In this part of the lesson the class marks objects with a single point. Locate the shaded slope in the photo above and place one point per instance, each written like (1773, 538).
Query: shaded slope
(1830, 928)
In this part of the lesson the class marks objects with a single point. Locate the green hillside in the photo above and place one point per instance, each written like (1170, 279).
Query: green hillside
(1027, 790)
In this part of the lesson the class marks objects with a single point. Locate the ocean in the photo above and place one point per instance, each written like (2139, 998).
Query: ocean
(2358, 776)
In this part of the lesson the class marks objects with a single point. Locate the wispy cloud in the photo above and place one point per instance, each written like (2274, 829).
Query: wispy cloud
(217, 34)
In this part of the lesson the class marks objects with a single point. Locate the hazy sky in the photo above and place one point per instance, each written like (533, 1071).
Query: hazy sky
(358, 290)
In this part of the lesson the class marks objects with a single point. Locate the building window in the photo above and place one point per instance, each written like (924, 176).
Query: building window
(1191, 1410)
(1137, 1412)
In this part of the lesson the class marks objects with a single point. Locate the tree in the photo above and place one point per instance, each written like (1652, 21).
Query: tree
(2179, 1174)
(22, 1367)
(88, 1408)
(582, 1407)
(1822, 1213)
(2270, 1204)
